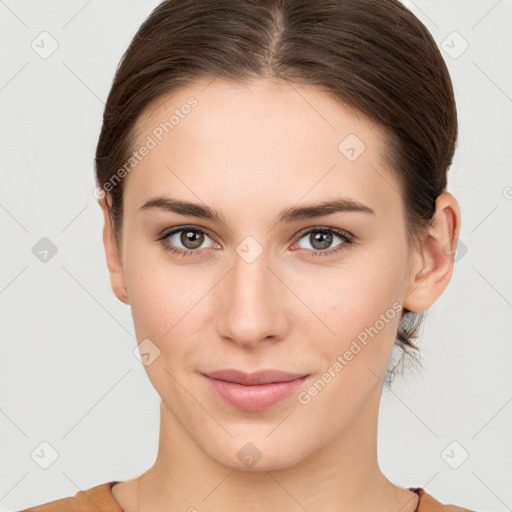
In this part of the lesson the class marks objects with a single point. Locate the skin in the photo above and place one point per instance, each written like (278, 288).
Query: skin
(250, 151)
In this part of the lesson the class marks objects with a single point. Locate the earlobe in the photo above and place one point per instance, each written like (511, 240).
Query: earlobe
(112, 253)
(432, 266)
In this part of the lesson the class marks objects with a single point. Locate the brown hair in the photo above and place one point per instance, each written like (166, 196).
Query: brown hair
(372, 55)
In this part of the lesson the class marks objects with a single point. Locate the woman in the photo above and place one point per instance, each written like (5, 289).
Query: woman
(273, 175)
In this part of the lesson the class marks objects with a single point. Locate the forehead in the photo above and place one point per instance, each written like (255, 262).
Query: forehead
(263, 107)
(266, 137)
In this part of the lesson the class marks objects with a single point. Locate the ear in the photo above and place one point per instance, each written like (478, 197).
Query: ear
(114, 261)
(432, 263)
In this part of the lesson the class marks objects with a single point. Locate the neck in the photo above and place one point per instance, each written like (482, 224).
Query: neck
(343, 475)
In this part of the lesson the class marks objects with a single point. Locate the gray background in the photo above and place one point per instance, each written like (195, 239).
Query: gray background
(68, 373)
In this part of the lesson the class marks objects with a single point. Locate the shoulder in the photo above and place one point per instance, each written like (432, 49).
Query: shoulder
(428, 503)
(96, 499)
(62, 505)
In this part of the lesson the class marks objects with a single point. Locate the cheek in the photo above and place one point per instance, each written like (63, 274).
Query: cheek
(364, 313)
(354, 295)
(360, 302)
(164, 293)
(162, 299)
(153, 291)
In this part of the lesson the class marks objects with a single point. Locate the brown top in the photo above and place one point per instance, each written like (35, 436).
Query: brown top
(101, 499)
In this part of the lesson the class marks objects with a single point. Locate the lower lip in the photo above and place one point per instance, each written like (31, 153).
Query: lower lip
(254, 398)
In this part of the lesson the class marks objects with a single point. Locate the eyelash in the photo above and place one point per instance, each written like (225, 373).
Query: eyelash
(344, 235)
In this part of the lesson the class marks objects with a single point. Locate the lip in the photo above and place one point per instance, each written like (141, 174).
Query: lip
(253, 391)
(249, 379)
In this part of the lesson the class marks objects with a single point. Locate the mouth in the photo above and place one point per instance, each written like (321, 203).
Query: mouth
(253, 391)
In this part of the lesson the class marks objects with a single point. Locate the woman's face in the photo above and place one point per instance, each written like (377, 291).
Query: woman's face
(263, 288)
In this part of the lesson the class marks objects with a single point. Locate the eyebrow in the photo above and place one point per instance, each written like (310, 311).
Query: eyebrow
(288, 215)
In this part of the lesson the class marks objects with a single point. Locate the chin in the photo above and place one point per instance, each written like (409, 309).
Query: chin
(253, 454)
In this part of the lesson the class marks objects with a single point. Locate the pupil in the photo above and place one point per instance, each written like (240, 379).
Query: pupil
(324, 239)
(192, 239)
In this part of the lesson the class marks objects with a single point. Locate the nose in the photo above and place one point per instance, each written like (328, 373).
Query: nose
(252, 307)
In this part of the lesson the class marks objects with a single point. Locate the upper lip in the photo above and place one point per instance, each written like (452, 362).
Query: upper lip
(259, 377)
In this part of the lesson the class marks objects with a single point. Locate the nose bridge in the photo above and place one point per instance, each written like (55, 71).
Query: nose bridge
(251, 307)
(250, 274)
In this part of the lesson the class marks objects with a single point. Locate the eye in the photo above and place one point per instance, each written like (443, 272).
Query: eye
(322, 238)
(190, 237)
